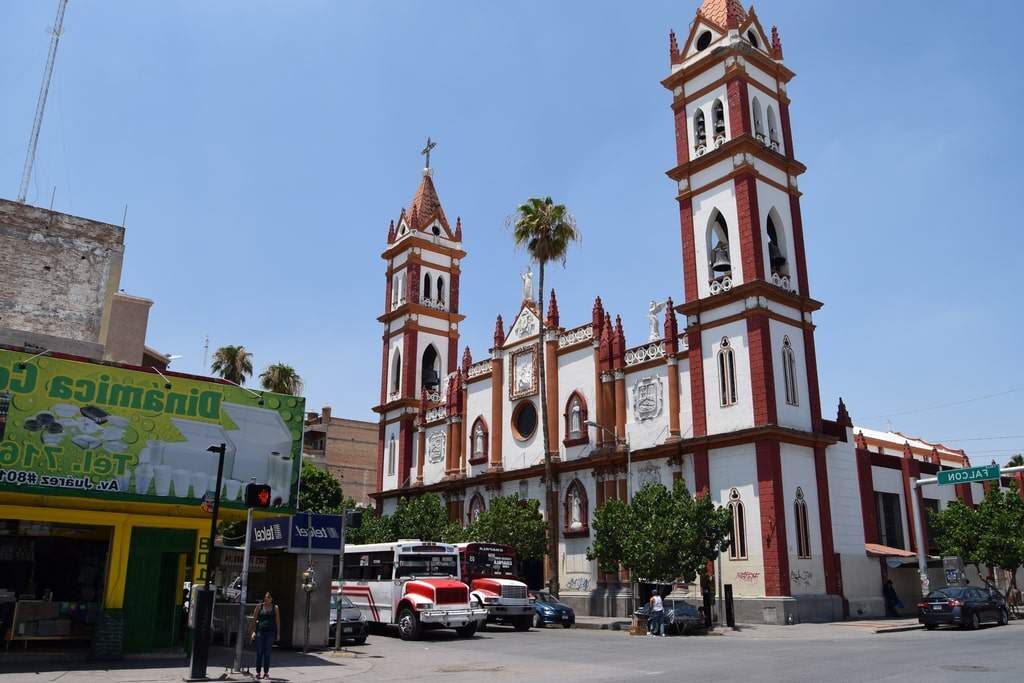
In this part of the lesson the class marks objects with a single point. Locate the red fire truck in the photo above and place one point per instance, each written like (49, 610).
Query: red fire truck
(490, 571)
(412, 584)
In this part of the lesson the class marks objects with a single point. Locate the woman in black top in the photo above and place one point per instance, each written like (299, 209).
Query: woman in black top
(266, 626)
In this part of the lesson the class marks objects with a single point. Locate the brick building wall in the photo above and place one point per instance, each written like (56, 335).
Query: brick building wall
(345, 448)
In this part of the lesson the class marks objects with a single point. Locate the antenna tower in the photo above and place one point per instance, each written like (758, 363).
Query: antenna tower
(44, 90)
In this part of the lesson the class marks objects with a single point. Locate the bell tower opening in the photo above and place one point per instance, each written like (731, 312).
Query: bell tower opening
(720, 265)
(430, 369)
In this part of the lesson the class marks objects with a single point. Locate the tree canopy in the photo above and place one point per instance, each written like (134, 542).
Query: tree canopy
(319, 491)
(661, 535)
(232, 363)
(281, 379)
(513, 522)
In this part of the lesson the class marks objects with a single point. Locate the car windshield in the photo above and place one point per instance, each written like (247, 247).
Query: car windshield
(948, 592)
(422, 564)
(543, 596)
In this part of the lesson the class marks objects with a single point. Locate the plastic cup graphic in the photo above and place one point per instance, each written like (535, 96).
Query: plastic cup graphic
(232, 487)
(162, 474)
(122, 482)
(182, 479)
(143, 478)
(200, 484)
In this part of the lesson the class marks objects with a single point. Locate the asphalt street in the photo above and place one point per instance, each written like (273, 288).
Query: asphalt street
(807, 652)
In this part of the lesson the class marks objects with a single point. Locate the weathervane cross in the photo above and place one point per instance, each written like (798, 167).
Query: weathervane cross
(426, 150)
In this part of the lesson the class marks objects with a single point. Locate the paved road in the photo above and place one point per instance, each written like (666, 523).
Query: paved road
(825, 652)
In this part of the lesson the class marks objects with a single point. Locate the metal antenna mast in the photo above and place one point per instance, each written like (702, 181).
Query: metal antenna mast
(44, 90)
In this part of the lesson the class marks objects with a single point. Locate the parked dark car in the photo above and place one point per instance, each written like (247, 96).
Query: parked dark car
(353, 625)
(550, 610)
(965, 606)
(681, 618)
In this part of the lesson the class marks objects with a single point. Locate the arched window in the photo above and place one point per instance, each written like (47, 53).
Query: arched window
(718, 120)
(758, 121)
(576, 510)
(430, 369)
(391, 455)
(476, 507)
(752, 37)
(426, 287)
(700, 133)
(478, 442)
(773, 129)
(719, 262)
(396, 372)
(738, 549)
(803, 532)
(726, 374)
(776, 248)
(576, 432)
(440, 289)
(789, 372)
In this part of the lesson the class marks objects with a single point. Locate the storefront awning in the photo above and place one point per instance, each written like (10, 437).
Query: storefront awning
(878, 550)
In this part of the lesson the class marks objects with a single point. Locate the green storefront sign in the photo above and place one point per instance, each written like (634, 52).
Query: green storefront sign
(968, 475)
(87, 429)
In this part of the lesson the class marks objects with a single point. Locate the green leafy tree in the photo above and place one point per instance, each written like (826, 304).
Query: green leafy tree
(513, 522)
(661, 535)
(319, 491)
(545, 230)
(232, 363)
(425, 518)
(956, 532)
(281, 379)
(1016, 461)
(1002, 530)
(373, 529)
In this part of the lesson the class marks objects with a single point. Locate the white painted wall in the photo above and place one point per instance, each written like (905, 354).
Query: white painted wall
(478, 404)
(730, 467)
(807, 576)
(844, 496)
(740, 415)
(798, 416)
(576, 373)
(644, 434)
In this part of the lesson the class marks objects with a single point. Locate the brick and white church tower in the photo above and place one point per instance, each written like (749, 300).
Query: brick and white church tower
(722, 394)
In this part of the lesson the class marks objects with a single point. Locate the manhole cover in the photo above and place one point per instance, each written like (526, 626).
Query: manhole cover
(972, 668)
(469, 669)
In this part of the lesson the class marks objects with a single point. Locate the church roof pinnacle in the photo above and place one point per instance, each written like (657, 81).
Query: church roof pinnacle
(725, 14)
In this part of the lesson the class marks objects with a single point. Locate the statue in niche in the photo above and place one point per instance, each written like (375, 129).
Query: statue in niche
(653, 309)
(575, 418)
(478, 440)
(575, 510)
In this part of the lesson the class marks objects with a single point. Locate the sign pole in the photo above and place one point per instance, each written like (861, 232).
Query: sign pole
(240, 639)
(922, 560)
(204, 601)
(341, 569)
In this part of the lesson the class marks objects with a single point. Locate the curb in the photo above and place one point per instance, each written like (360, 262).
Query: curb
(603, 625)
(899, 629)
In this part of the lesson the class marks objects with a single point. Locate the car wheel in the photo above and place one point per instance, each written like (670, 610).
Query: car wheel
(409, 627)
(538, 621)
(522, 623)
(361, 640)
(930, 627)
(467, 631)
(1004, 617)
(566, 625)
(975, 621)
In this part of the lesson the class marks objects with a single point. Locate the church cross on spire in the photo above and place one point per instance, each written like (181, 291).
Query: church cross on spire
(426, 150)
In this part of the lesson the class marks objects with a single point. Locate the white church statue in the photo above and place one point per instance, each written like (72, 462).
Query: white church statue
(653, 309)
(575, 511)
(528, 284)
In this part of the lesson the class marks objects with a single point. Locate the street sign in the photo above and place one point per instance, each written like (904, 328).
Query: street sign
(968, 475)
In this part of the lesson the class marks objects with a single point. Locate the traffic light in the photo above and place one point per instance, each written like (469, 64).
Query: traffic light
(257, 495)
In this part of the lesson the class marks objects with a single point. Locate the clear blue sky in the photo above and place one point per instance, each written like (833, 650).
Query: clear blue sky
(262, 147)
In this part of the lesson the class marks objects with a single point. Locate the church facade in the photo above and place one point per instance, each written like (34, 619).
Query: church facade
(722, 394)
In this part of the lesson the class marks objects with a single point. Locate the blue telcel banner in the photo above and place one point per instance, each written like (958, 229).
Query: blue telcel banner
(299, 534)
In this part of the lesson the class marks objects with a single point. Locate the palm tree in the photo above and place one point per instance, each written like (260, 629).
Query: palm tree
(233, 363)
(281, 379)
(1016, 461)
(545, 230)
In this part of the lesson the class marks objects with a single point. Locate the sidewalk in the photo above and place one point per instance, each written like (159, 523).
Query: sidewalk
(862, 625)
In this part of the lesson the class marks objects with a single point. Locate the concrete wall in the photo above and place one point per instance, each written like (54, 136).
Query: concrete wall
(129, 318)
(60, 273)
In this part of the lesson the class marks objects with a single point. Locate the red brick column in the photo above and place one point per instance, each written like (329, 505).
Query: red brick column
(762, 374)
(811, 362)
(672, 369)
(739, 108)
(682, 144)
(696, 360)
(701, 474)
(689, 250)
(497, 408)
(964, 493)
(380, 455)
(829, 558)
(409, 363)
(421, 443)
(405, 436)
(551, 400)
(773, 518)
(749, 227)
(798, 245)
(866, 485)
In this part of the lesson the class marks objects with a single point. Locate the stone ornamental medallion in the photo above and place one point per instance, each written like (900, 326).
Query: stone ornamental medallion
(647, 399)
(435, 447)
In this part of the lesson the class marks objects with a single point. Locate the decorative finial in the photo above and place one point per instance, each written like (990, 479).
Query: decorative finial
(467, 359)
(842, 415)
(598, 318)
(732, 14)
(673, 47)
(671, 328)
(426, 152)
(499, 332)
(552, 317)
(618, 343)
(391, 232)
(776, 43)
(458, 228)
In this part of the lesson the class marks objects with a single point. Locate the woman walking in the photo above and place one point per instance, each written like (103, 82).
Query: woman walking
(266, 626)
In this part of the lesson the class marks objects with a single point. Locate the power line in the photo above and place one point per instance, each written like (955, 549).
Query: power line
(946, 405)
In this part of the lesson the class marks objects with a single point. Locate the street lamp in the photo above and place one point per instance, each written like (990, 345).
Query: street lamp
(629, 456)
(204, 601)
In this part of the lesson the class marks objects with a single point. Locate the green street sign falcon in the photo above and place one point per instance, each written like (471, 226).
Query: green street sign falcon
(968, 475)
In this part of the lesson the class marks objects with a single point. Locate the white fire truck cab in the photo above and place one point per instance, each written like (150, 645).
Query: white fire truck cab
(490, 571)
(412, 584)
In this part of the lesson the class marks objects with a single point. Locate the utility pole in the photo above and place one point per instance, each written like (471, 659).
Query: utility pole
(44, 91)
(242, 631)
